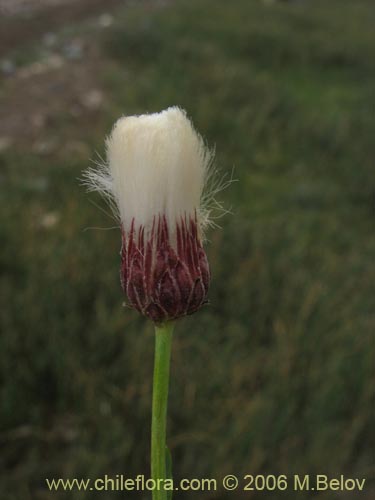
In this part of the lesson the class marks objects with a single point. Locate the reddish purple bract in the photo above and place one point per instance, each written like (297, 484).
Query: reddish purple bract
(164, 279)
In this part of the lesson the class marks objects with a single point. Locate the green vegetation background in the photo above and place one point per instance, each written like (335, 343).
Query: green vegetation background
(276, 375)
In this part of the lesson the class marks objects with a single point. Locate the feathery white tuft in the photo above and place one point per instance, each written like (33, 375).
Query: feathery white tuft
(157, 164)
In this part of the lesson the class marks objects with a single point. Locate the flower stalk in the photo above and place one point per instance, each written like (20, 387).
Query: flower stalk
(163, 342)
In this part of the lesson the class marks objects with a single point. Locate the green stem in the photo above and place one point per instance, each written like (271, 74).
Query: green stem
(163, 341)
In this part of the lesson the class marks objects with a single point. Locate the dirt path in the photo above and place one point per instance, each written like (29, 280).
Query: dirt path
(52, 103)
(22, 21)
(61, 86)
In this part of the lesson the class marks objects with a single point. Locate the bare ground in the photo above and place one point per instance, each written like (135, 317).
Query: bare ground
(61, 85)
(22, 21)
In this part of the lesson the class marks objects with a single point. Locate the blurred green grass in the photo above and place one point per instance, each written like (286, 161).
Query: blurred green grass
(276, 375)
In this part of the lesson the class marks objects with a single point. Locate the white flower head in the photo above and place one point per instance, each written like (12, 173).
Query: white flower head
(155, 177)
(157, 164)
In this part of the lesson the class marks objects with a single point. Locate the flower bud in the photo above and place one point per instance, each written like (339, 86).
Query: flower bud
(157, 168)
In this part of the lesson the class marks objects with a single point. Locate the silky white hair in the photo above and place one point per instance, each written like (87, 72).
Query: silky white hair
(157, 164)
